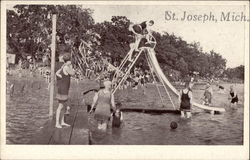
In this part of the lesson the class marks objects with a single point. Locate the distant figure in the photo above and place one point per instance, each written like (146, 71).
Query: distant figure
(63, 84)
(136, 83)
(103, 104)
(207, 100)
(221, 88)
(233, 97)
(185, 99)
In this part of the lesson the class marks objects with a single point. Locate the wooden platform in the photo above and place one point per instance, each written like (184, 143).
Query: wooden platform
(147, 110)
(77, 133)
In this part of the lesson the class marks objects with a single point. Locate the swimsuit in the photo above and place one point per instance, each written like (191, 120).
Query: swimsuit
(235, 99)
(185, 102)
(102, 112)
(63, 85)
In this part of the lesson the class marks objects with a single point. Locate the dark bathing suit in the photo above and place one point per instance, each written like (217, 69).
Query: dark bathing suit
(140, 28)
(63, 85)
(235, 99)
(185, 102)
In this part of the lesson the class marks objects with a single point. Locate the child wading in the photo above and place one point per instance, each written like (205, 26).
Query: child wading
(234, 97)
(117, 116)
(63, 84)
(185, 99)
(104, 104)
(208, 95)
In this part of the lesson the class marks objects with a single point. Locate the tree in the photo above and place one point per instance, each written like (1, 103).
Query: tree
(29, 26)
(182, 66)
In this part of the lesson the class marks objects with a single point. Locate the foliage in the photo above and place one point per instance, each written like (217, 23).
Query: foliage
(29, 27)
(237, 72)
(29, 32)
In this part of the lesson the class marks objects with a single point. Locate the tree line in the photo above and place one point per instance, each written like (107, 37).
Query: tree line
(29, 29)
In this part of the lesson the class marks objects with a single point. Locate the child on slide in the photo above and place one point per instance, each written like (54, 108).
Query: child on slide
(140, 31)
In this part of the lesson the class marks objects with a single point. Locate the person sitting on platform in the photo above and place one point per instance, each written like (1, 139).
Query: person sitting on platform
(140, 31)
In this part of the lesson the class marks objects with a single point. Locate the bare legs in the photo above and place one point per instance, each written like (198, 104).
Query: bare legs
(188, 114)
(60, 117)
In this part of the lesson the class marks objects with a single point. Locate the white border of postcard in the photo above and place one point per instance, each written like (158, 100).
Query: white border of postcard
(130, 151)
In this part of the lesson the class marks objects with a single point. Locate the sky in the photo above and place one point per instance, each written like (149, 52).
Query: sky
(225, 38)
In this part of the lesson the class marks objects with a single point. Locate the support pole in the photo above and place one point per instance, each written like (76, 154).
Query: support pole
(53, 51)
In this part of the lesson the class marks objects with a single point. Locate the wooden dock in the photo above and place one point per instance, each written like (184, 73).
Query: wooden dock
(77, 133)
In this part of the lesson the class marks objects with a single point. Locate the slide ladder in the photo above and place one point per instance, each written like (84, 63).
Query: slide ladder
(124, 69)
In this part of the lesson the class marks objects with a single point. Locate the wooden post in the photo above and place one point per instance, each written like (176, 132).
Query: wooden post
(53, 51)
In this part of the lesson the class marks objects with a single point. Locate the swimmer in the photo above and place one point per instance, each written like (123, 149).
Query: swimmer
(207, 99)
(233, 98)
(117, 116)
(185, 99)
(103, 105)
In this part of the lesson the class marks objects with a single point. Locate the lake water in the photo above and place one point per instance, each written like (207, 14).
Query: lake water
(202, 128)
(27, 112)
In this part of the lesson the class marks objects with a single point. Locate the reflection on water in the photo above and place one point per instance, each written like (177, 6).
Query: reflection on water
(26, 116)
(203, 128)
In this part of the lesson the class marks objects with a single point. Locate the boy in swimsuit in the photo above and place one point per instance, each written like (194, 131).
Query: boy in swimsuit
(185, 99)
(233, 97)
(63, 85)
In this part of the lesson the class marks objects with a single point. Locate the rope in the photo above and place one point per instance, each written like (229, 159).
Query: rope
(151, 70)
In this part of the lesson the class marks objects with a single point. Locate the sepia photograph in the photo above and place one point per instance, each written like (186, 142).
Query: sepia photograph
(129, 74)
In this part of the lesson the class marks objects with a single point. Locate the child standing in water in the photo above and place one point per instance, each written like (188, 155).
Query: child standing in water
(185, 99)
(104, 104)
(208, 95)
(233, 97)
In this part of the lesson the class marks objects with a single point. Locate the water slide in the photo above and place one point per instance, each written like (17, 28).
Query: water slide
(154, 63)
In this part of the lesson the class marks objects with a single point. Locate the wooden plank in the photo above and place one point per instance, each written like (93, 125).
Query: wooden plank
(80, 134)
(62, 135)
(51, 135)
(44, 136)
